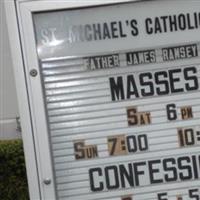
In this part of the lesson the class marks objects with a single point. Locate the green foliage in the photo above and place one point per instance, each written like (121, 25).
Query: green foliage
(13, 182)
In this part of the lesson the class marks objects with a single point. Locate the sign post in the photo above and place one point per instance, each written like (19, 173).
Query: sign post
(114, 95)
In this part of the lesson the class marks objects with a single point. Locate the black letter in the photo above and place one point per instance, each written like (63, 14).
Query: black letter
(181, 166)
(174, 79)
(160, 195)
(113, 170)
(137, 172)
(131, 82)
(135, 31)
(152, 171)
(168, 169)
(117, 89)
(159, 80)
(193, 195)
(126, 174)
(91, 175)
(149, 30)
(146, 83)
(195, 85)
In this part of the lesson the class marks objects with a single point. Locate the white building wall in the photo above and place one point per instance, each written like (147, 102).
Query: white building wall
(8, 98)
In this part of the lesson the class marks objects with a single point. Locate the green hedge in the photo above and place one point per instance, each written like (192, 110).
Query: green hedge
(13, 182)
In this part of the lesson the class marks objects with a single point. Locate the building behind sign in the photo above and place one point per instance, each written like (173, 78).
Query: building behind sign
(8, 99)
